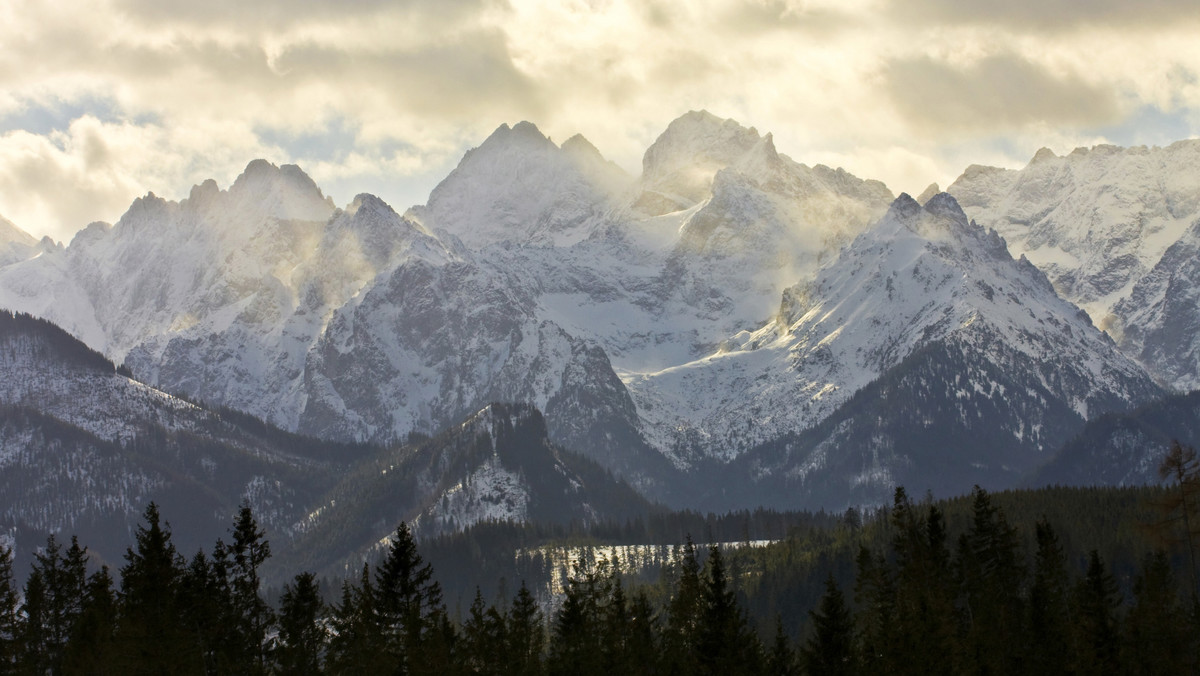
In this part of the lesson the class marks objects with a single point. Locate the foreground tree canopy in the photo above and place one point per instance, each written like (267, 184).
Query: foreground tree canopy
(919, 601)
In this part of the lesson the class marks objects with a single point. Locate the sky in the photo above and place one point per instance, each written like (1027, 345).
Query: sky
(102, 101)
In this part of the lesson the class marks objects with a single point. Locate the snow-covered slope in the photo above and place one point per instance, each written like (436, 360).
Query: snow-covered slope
(166, 266)
(660, 283)
(1159, 322)
(17, 245)
(923, 274)
(496, 464)
(352, 324)
(519, 187)
(263, 343)
(84, 448)
(542, 274)
(1095, 220)
(50, 372)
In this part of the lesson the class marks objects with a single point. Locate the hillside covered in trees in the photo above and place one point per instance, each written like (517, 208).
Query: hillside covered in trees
(1088, 581)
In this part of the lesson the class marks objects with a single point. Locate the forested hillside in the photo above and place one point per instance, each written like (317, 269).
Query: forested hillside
(1058, 580)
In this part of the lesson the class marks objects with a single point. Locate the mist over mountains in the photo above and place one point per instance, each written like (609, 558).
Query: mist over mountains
(730, 329)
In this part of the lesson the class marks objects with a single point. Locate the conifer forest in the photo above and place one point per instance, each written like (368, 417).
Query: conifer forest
(1052, 581)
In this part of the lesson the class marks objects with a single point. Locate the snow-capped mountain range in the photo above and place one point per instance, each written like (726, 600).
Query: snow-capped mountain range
(1112, 228)
(921, 275)
(688, 318)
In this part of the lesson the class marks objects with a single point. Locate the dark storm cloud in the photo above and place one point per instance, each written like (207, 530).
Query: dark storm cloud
(996, 93)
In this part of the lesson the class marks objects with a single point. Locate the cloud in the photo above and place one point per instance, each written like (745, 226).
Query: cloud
(385, 95)
(1050, 15)
(997, 93)
(463, 79)
(811, 19)
(281, 15)
(56, 183)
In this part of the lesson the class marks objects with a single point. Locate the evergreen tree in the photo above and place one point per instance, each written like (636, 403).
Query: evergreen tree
(782, 660)
(485, 638)
(615, 628)
(9, 615)
(1182, 466)
(33, 656)
(249, 616)
(150, 635)
(681, 639)
(991, 572)
(410, 606)
(204, 604)
(1049, 605)
(576, 646)
(1097, 639)
(830, 649)
(62, 578)
(641, 646)
(1158, 639)
(875, 595)
(925, 614)
(526, 635)
(357, 645)
(727, 645)
(302, 632)
(92, 648)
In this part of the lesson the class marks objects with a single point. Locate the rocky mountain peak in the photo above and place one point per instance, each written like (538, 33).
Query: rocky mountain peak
(284, 192)
(1042, 155)
(369, 204)
(928, 193)
(904, 208)
(519, 186)
(943, 204)
(579, 146)
(18, 245)
(684, 159)
(204, 194)
(147, 210)
(520, 138)
(95, 231)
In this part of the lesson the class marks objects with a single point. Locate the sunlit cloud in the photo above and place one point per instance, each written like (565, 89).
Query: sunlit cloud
(104, 100)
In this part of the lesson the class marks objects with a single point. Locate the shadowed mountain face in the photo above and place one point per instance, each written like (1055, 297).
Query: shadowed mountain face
(84, 448)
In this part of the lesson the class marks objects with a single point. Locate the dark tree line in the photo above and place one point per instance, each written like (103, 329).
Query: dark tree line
(981, 606)
(207, 615)
(922, 603)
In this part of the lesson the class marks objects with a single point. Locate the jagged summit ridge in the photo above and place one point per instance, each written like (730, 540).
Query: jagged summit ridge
(919, 276)
(519, 186)
(540, 273)
(1096, 220)
(1100, 222)
(682, 162)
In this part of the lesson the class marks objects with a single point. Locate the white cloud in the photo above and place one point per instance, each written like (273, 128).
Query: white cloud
(905, 92)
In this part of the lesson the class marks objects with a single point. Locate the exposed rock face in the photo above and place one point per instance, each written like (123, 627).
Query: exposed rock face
(1159, 323)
